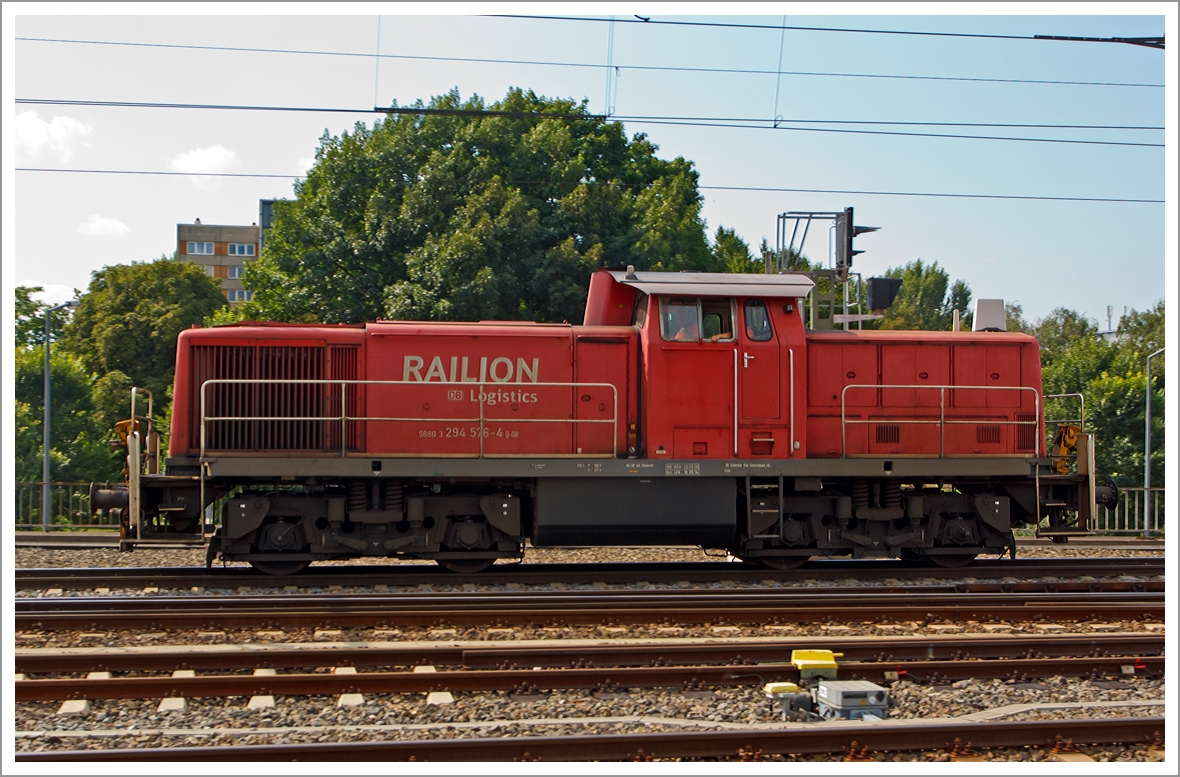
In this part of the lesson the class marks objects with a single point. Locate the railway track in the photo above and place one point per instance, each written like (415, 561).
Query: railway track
(750, 744)
(78, 578)
(593, 678)
(692, 606)
(600, 668)
(554, 654)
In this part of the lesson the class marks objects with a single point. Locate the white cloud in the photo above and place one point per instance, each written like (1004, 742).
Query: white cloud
(103, 227)
(35, 136)
(53, 294)
(215, 159)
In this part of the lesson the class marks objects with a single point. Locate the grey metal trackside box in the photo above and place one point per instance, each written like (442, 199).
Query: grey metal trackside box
(851, 693)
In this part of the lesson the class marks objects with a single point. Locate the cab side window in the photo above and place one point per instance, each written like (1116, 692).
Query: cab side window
(717, 319)
(678, 319)
(695, 319)
(758, 321)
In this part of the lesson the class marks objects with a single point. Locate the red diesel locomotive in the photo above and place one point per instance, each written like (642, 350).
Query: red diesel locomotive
(689, 409)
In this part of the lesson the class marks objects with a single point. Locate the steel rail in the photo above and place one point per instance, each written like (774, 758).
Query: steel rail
(539, 574)
(508, 656)
(818, 739)
(348, 617)
(852, 649)
(801, 597)
(306, 684)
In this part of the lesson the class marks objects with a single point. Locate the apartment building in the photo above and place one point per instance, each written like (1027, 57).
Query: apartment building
(222, 250)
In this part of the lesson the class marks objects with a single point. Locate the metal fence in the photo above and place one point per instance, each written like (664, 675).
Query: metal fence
(69, 508)
(1138, 512)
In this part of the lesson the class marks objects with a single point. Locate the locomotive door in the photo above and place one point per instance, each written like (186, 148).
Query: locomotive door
(759, 369)
(758, 365)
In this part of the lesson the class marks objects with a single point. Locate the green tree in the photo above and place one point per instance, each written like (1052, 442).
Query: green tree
(78, 437)
(1139, 335)
(1110, 374)
(30, 318)
(732, 253)
(475, 217)
(927, 299)
(1015, 314)
(1059, 329)
(791, 259)
(130, 317)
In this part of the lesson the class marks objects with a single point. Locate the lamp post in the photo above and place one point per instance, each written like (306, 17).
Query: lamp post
(46, 521)
(1147, 451)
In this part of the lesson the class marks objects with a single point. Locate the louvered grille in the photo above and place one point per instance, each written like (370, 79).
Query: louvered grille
(264, 405)
(988, 434)
(1026, 434)
(888, 433)
(343, 367)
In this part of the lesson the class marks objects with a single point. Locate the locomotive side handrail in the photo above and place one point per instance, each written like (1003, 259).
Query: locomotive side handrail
(1081, 422)
(345, 419)
(942, 421)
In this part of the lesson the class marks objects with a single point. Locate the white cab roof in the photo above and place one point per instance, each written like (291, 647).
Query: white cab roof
(717, 283)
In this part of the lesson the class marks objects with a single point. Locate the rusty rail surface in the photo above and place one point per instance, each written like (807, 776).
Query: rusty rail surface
(745, 745)
(537, 574)
(509, 656)
(307, 684)
(712, 606)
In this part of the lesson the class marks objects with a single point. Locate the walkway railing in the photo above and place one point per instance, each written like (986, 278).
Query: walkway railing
(482, 431)
(942, 421)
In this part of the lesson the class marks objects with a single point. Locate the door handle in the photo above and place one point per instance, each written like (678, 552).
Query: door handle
(746, 360)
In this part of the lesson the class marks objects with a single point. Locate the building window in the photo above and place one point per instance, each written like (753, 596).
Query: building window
(210, 271)
(241, 249)
(239, 295)
(235, 273)
(200, 248)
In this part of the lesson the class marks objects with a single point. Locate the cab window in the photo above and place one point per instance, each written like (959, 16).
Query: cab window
(639, 317)
(716, 320)
(695, 319)
(758, 321)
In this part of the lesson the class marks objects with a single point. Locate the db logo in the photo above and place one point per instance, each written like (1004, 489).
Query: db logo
(454, 395)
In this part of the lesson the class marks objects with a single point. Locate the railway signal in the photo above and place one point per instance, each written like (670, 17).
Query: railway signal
(846, 230)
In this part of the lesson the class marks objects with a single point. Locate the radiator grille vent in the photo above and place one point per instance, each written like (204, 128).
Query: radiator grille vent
(264, 407)
(988, 434)
(888, 433)
(1026, 434)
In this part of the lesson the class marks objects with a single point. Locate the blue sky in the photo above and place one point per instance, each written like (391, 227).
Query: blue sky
(1044, 255)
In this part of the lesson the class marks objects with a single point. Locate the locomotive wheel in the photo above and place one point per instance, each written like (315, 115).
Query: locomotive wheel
(951, 560)
(784, 562)
(466, 566)
(280, 568)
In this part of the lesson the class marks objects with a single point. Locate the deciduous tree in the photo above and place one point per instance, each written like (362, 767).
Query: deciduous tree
(927, 299)
(449, 217)
(129, 319)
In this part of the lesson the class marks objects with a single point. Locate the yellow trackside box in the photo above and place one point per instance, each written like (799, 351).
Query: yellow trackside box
(815, 663)
(776, 689)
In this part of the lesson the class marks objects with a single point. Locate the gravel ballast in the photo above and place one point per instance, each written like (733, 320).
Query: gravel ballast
(408, 716)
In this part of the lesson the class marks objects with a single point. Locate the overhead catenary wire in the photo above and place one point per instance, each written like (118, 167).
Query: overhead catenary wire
(731, 123)
(594, 65)
(1048, 198)
(1152, 41)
